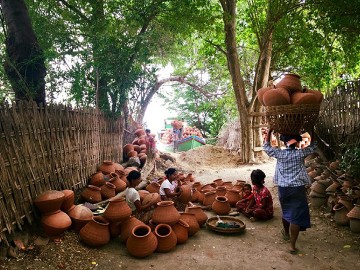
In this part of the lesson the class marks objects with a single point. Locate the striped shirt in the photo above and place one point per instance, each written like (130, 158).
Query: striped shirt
(290, 168)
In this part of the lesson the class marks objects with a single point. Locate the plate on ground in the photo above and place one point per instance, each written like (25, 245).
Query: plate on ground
(236, 224)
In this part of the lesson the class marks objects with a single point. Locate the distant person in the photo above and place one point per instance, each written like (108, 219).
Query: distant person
(292, 178)
(261, 205)
(150, 141)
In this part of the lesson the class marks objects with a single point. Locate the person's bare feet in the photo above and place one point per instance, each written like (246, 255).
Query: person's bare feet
(294, 251)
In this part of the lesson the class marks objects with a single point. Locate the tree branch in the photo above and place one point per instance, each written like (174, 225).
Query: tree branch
(75, 10)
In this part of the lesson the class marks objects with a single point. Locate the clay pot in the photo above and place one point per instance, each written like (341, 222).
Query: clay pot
(318, 187)
(196, 185)
(195, 195)
(355, 212)
(119, 184)
(107, 167)
(131, 154)
(233, 196)
(181, 230)
(80, 215)
(318, 95)
(153, 187)
(303, 98)
(185, 195)
(221, 205)
(340, 216)
(137, 148)
(97, 179)
(200, 215)
(56, 223)
(190, 177)
(221, 191)
(290, 82)
(115, 229)
(317, 201)
(166, 238)
(107, 191)
(69, 198)
(118, 167)
(165, 213)
(276, 97)
(261, 92)
(141, 242)
(152, 198)
(120, 173)
(127, 226)
(143, 159)
(209, 198)
(49, 202)
(91, 194)
(228, 185)
(127, 148)
(143, 193)
(96, 232)
(117, 210)
(191, 220)
(152, 225)
(218, 182)
(140, 132)
(346, 201)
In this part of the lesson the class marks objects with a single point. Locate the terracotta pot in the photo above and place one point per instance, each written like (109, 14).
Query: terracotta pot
(96, 232)
(131, 154)
(166, 238)
(209, 198)
(218, 182)
(261, 92)
(56, 223)
(355, 212)
(317, 201)
(185, 195)
(152, 198)
(165, 213)
(190, 177)
(80, 215)
(107, 191)
(127, 226)
(142, 242)
(117, 210)
(318, 187)
(118, 166)
(221, 206)
(140, 132)
(221, 191)
(153, 187)
(127, 148)
(318, 95)
(152, 225)
(195, 195)
(276, 97)
(107, 167)
(228, 185)
(119, 184)
(91, 194)
(69, 198)
(346, 201)
(143, 159)
(181, 230)
(97, 179)
(49, 202)
(303, 98)
(197, 185)
(233, 196)
(340, 215)
(137, 148)
(143, 193)
(191, 220)
(120, 173)
(200, 215)
(115, 229)
(291, 82)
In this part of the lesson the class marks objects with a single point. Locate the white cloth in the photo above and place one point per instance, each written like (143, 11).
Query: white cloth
(166, 184)
(131, 197)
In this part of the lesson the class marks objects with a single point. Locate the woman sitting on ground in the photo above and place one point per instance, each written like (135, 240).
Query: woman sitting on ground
(169, 190)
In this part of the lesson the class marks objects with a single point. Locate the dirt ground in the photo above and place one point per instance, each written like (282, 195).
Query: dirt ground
(324, 246)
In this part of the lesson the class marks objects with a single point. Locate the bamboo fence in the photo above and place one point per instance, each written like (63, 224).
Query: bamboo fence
(53, 147)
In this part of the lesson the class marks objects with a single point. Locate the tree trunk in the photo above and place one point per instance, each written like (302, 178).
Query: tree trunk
(24, 65)
(229, 8)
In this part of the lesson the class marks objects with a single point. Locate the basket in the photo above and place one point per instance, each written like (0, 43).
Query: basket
(292, 119)
(211, 224)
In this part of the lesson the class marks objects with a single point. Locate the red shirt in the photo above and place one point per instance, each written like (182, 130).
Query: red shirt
(261, 193)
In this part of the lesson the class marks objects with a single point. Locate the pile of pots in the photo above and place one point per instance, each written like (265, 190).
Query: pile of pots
(138, 146)
(336, 189)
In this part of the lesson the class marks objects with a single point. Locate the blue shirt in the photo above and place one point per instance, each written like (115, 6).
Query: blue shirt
(290, 168)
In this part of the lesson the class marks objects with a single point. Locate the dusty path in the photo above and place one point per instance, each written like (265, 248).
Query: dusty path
(324, 246)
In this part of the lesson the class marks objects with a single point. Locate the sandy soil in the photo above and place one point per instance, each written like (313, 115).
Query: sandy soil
(324, 246)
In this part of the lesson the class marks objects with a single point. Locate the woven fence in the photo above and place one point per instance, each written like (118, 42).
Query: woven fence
(52, 147)
(339, 120)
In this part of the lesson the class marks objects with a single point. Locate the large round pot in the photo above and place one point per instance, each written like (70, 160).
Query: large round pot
(97, 179)
(191, 220)
(69, 199)
(185, 195)
(80, 215)
(91, 194)
(107, 167)
(117, 210)
(49, 202)
(142, 242)
(165, 213)
(221, 205)
(128, 147)
(56, 223)
(290, 82)
(209, 198)
(276, 97)
(96, 232)
(166, 238)
(218, 182)
(153, 187)
(107, 191)
(181, 230)
(340, 215)
(119, 184)
(200, 215)
(127, 226)
(221, 191)
(233, 196)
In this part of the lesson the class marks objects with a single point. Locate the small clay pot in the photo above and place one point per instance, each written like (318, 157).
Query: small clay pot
(96, 232)
(142, 242)
(221, 206)
(166, 238)
(200, 215)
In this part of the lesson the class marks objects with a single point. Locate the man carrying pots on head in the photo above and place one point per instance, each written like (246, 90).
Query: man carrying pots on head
(291, 178)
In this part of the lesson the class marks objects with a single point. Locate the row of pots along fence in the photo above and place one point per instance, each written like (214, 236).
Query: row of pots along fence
(57, 147)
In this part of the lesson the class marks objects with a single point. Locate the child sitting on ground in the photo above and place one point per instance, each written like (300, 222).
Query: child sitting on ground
(261, 206)
(246, 199)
